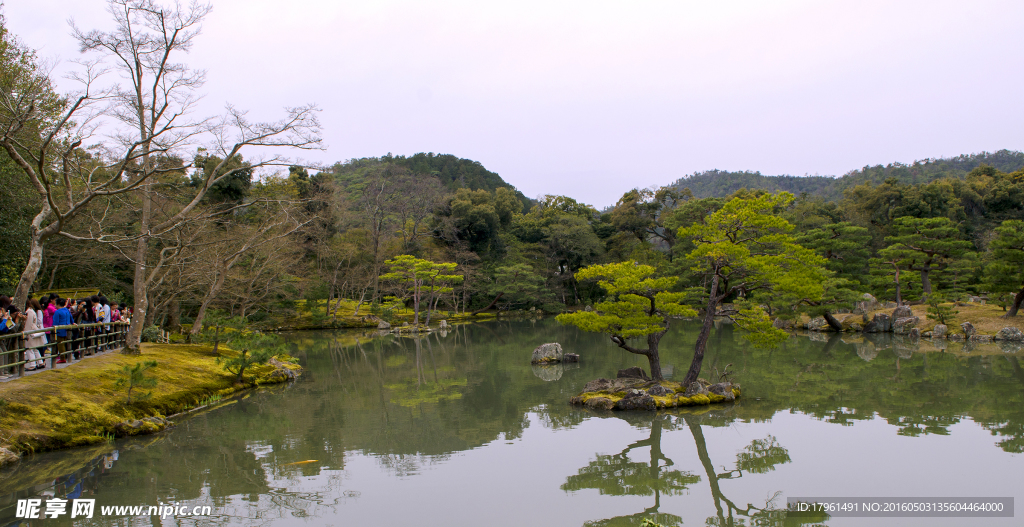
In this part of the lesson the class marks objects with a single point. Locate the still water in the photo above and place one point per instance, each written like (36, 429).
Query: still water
(458, 429)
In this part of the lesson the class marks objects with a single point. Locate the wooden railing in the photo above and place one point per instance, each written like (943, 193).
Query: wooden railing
(82, 340)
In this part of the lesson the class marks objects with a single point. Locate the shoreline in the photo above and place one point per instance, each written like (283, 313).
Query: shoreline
(79, 406)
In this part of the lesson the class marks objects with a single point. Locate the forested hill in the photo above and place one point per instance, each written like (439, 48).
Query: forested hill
(453, 172)
(720, 183)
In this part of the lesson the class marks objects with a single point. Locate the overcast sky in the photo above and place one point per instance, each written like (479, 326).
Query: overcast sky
(590, 99)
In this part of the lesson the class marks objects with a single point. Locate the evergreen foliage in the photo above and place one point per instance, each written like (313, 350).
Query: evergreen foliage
(133, 378)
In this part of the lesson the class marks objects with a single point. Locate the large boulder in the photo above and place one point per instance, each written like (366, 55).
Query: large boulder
(867, 304)
(968, 329)
(902, 312)
(383, 325)
(7, 456)
(599, 403)
(818, 324)
(880, 323)
(659, 390)
(724, 389)
(902, 326)
(443, 325)
(547, 353)
(636, 372)
(939, 331)
(636, 400)
(783, 324)
(695, 388)
(1010, 333)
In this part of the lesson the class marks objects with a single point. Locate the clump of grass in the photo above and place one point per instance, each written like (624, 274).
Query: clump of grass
(134, 377)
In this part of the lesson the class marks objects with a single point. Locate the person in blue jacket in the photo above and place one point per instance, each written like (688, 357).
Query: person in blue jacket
(62, 317)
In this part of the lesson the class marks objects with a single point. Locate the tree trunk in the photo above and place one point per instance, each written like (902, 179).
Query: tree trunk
(140, 290)
(652, 354)
(832, 322)
(28, 276)
(1017, 300)
(197, 326)
(495, 301)
(899, 298)
(926, 285)
(705, 332)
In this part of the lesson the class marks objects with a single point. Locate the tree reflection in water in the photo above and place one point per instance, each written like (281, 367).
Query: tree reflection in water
(618, 475)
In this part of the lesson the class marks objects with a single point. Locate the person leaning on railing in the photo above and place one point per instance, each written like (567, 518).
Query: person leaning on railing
(62, 317)
(11, 322)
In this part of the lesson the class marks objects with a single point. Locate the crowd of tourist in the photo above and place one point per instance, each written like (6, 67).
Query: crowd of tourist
(69, 319)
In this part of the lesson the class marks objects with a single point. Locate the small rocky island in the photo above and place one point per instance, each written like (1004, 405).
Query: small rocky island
(632, 389)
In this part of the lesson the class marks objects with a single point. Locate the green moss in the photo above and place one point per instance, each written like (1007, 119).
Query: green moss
(79, 405)
(673, 400)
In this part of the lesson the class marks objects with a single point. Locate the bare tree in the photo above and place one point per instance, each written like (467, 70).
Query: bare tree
(244, 239)
(152, 108)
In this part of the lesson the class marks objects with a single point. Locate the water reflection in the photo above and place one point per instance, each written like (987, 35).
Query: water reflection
(373, 415)
(618, 474)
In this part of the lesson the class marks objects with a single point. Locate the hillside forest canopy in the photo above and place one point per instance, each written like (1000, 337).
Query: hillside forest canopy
(186, 223)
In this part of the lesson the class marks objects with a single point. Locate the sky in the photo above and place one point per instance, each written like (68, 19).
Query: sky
(591, 99)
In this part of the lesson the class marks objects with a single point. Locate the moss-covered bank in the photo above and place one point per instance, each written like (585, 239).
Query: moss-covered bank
(653, 395)
(79, 405)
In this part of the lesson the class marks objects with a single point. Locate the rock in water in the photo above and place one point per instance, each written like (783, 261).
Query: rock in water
(880, 323)
(695, 388)
(383, 325)
(547, 353)
(570, 357)
(636, 372)
(1009, 333)
(914, 333)
(724, 389)
(939, 331)
(902, 312)
(443, 325)
(599, 403)
(7, 456)
(636, 400)
(659, 390)
(968, 329)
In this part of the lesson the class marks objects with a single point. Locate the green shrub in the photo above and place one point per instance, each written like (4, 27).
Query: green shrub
(134, 377)
(151, 333)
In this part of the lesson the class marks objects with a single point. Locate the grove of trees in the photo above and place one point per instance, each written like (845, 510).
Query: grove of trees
(118, 186)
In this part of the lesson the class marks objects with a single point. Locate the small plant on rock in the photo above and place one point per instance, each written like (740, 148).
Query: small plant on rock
(134, 377)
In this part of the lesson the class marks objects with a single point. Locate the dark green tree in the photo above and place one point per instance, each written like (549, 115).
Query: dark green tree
(1006, 272)
(924, 245)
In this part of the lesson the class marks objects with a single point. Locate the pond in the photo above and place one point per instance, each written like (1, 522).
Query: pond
(458, 429)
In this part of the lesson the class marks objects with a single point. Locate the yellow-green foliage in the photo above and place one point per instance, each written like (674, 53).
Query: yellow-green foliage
(639, 303)
(78, 405)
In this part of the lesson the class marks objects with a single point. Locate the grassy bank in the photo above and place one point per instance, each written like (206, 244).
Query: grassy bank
(986, 319)
(79, 405)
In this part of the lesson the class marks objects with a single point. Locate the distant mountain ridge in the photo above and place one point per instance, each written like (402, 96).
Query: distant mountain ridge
(453, 172)
(721, 183)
